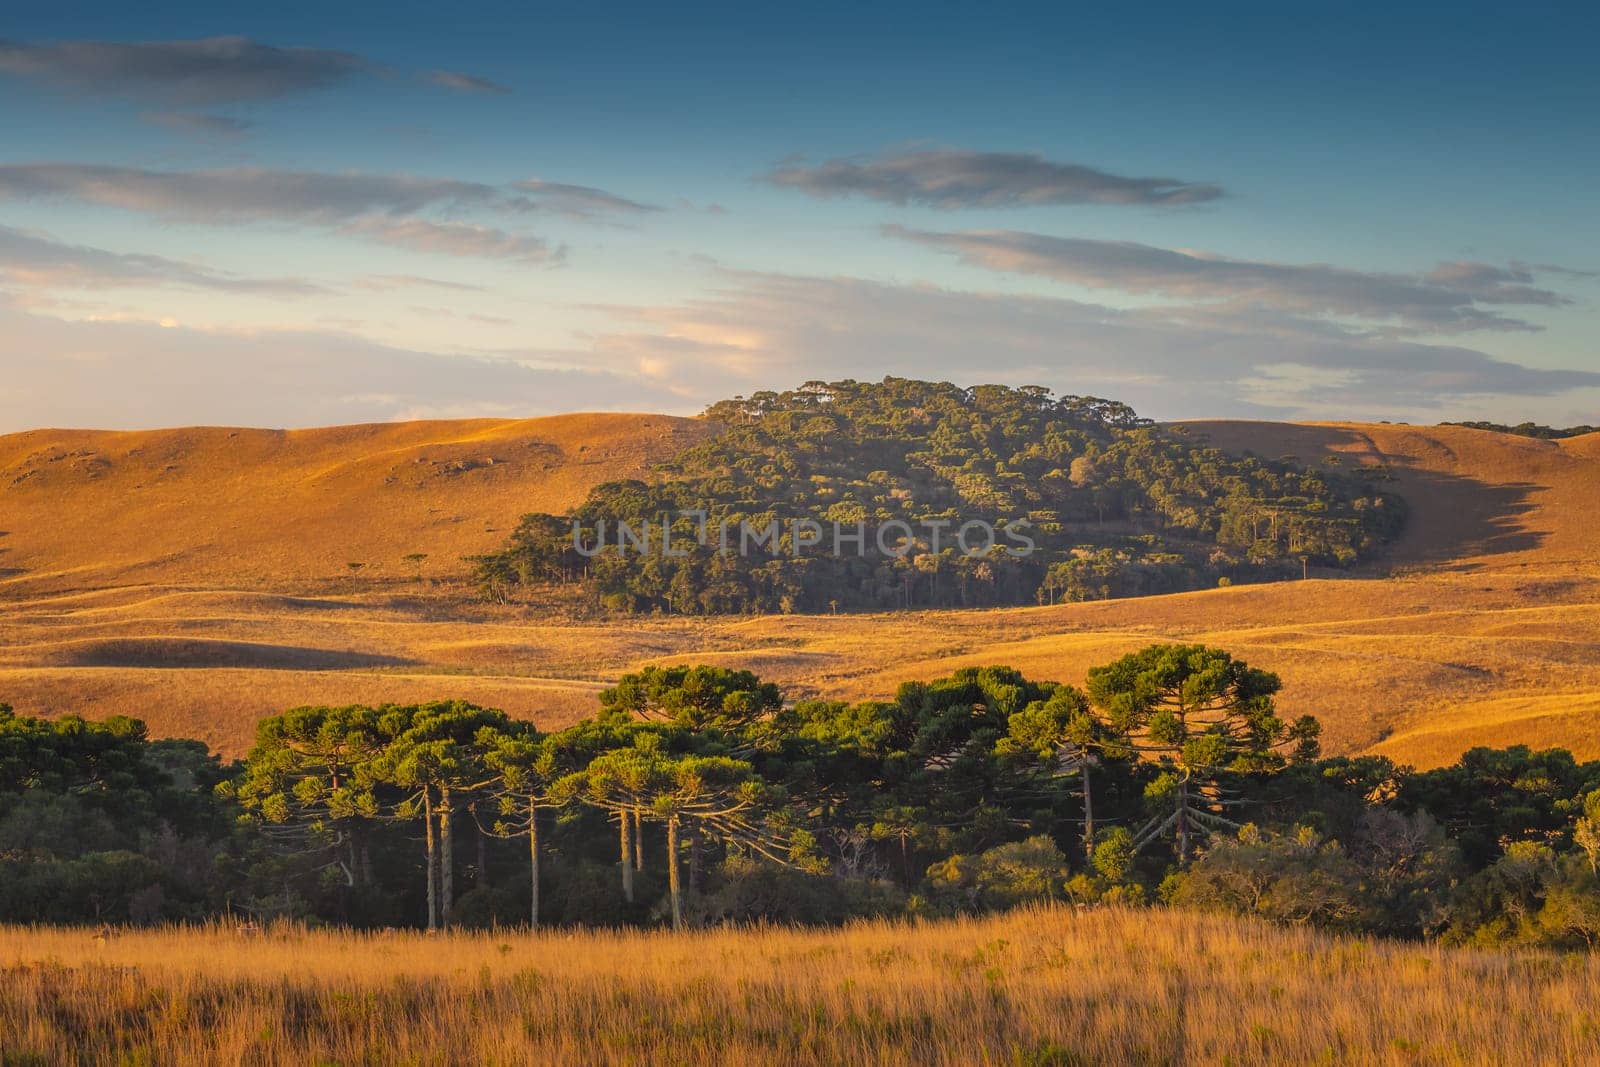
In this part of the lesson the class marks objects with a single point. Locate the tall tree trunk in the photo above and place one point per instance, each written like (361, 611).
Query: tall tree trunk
(447, 865)
(433, 863)
(483, 850)
(673, 888)
(638, 840)
(1088, 812)
(533, 861)
(1183, 822)
(694, 861)
(626, 823)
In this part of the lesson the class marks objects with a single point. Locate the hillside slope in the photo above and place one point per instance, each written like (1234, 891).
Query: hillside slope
(220, 593)
(239, 508)
(1477, 499)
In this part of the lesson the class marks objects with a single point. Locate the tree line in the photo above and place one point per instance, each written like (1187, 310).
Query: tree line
(1529, 429)
(1116, 505)
(699, 795)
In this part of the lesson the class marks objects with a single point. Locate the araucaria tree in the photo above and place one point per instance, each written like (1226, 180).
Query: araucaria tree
(524, 764)
(693, 698)
(1202, 716)
(1063, 737)
(717, 796)
(435, 758)
(301, 785)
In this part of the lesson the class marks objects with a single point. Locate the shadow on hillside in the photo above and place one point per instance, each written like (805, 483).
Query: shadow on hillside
(1450, 517)
(7, 572)
(167, 652)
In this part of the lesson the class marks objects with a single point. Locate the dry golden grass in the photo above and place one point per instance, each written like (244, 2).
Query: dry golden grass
(1491, 637)
(249, 509)
(1417, 668)
(1040, 986)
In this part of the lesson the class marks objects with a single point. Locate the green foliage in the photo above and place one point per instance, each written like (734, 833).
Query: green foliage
(439, 746)
(1492, 797)
(1204, 719)
(746, 890)
(97, 823)
(1295, 878)
(1003, 876)
(714, 801)
(695, 698)
(306, 760)
(1115, 506)
(1043, 727)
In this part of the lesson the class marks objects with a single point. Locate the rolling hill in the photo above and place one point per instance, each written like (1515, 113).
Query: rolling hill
(1479, 500)
(200, 579)
(248, 509)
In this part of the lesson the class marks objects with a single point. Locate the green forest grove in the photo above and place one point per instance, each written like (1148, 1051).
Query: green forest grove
(698, 795)
(1116, 505)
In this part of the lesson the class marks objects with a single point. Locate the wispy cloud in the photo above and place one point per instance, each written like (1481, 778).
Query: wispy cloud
(143, 374)
(1452, 297)
(454, 239)
(205, 72)
(214, 70)
(200, 124)
(464, 83)
(386, 282)
(38, 262)
(950, 179)
(308, 197)
(760, 329)
(577, 201)
(240, 195)
(391, 209)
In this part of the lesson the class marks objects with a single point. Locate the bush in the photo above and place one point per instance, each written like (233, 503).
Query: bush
(1001, 877)
(747, 890)
(1298, 879)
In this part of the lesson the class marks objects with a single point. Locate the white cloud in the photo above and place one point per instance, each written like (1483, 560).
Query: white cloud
(577, 201)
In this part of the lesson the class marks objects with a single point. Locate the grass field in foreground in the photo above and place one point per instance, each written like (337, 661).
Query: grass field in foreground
(1040, 986)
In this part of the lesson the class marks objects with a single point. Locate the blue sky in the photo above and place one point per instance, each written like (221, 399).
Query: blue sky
(336, 213)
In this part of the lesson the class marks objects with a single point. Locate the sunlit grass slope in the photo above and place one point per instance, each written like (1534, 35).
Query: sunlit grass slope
(238, 508)
(1489, 635)
(1041, 987)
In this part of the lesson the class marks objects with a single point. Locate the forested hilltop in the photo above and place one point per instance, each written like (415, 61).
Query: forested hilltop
(1114, 505)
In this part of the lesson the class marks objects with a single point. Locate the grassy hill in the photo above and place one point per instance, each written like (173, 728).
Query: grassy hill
(1479, 500)
(199, 579)
(281, 509)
